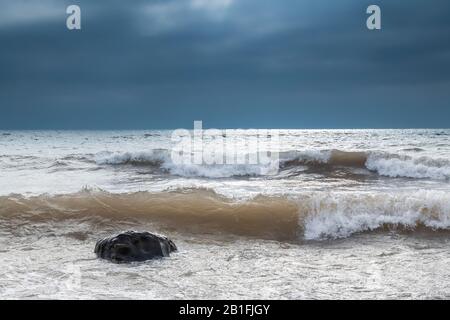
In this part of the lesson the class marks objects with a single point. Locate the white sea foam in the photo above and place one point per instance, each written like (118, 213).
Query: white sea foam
(338, 215)
(218, 171)
(419, 168)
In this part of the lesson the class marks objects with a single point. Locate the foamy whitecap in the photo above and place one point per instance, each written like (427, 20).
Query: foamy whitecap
(409, 168)
(152, 157)
(339, 215)
(161, 158)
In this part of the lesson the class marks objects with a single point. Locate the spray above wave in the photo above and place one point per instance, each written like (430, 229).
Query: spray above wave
(309, 216)
(384, 164)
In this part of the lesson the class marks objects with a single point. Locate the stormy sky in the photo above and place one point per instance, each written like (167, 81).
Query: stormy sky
(231, 63)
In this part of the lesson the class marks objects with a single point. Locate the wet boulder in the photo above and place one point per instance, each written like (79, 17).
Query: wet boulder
(134, 246)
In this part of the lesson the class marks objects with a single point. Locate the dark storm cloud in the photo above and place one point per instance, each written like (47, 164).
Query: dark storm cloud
(259, 63)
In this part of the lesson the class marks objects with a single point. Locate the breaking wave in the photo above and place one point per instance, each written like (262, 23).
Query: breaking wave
(383, 164)
(420, 168)
(339, 215)
(160, 159)
(309, 216)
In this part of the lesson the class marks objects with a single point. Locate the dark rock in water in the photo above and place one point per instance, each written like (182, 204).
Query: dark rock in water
(134, 246)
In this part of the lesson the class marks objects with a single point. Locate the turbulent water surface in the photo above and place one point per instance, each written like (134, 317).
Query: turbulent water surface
(347, 214)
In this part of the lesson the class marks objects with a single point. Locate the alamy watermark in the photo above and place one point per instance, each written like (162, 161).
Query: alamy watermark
(374, 20)
(73, 21)
(226, 147)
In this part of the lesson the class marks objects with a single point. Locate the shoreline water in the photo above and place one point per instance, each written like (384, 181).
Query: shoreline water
(348, 214)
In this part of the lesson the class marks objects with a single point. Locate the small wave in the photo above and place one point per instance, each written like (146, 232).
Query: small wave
(160, 159)
(148, 135)
(407, 167)
(309, 216)
(218, 171)
(414, 149)
(58, 164)
(384, 164)
(155, 157)
(79, 157)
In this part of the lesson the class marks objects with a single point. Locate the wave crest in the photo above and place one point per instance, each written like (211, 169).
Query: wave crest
(407, 167)
(384, 164)
(309, 216)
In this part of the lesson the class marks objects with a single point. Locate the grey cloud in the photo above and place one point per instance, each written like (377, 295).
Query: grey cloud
(242, 53)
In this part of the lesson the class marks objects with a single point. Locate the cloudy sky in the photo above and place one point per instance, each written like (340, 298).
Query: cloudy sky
(231, 63)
